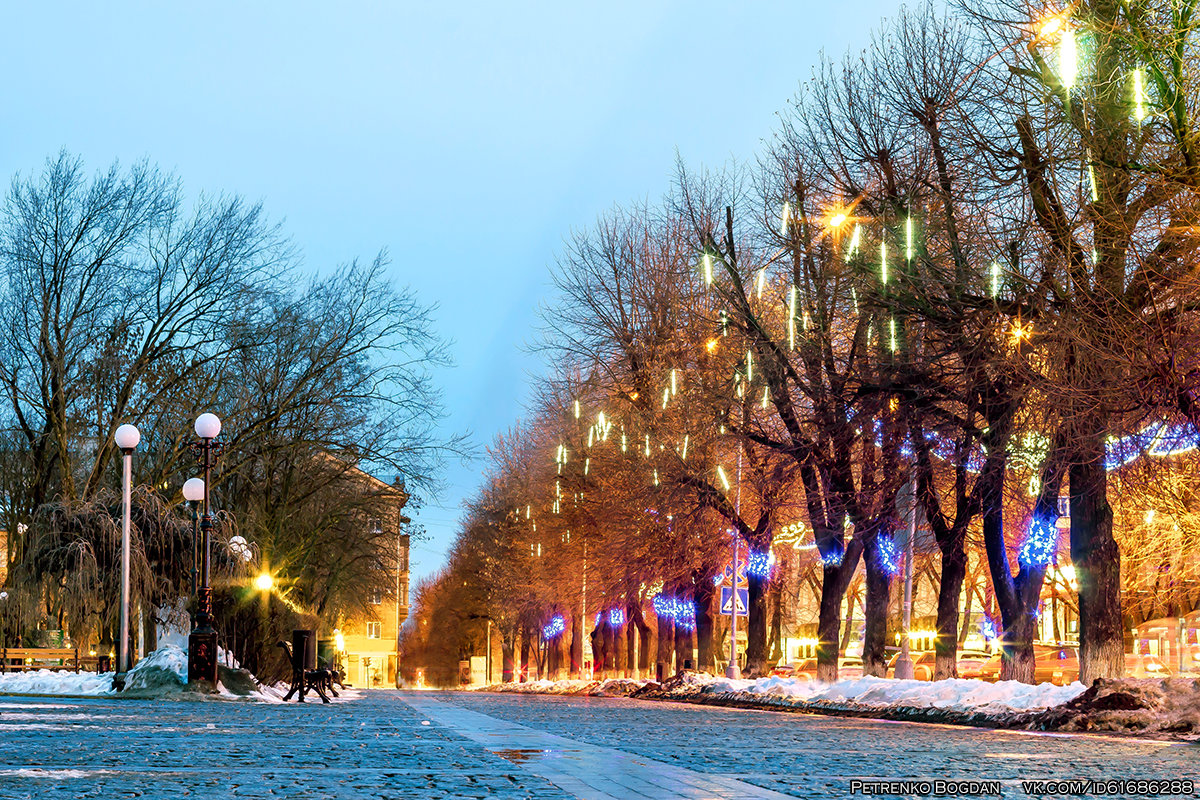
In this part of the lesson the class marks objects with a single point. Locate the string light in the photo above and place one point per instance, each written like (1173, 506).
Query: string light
(1139, 97)
(792, 318)
(647, 445)
(554, 628)
(749, 365)
(674, 384)
(766, 396)
(889, 555)
(686, 437)
(666, 396)
(624, 443)
(908, 238)
(883, 265)
(721, 475)
(758, 565)
(616, 617)
(1068, 59)
(708, 272)
(855, 240)
(784, 217)
(1041, 544)
(762, 280)
(892, 325)
(681, 610)
(656, 477)
(995, 279)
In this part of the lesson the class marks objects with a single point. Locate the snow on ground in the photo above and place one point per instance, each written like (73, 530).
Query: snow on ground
(162, 673)
(950, 695)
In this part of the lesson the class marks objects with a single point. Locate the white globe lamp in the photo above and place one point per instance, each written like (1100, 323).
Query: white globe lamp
(208, 426)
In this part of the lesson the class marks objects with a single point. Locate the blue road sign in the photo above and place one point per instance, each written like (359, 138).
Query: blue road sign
(743, 601)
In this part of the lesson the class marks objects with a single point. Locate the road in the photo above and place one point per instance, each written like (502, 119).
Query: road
(432, 745)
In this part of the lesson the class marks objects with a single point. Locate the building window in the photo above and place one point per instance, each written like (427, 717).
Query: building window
(373, 630)
(376, 597)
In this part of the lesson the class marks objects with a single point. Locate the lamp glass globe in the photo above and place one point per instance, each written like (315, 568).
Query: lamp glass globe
(127, 437)
(193, 489)
(208, 426)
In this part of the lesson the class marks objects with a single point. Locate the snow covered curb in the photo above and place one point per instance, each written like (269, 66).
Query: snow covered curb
(161, 674)
(613, 687)
(961, 695)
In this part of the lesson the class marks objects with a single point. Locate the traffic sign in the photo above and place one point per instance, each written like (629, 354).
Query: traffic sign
(743, 601)
(743, 561)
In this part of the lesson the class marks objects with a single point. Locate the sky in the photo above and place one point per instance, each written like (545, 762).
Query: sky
(466, 139)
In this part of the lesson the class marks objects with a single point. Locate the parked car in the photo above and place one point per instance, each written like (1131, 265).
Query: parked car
(804, 670)
(924, 663)
(849, 668)
(1137, 666)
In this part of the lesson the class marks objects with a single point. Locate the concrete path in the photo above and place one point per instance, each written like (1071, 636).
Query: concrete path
(586, 771)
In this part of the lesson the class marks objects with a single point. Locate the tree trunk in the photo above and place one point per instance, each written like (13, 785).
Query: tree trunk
(645, 640)
(756, 628)
(829, 624)
(576, 645)
(705, 654)
(631, 669)
(523, 667)
(1097, 561)
(507, 648)
(666, 645)
(954, 569)
(879, 584)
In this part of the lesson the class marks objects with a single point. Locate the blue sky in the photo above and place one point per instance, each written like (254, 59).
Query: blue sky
(468, 139)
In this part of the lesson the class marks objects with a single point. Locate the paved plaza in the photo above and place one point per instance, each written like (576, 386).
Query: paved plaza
(389, 744)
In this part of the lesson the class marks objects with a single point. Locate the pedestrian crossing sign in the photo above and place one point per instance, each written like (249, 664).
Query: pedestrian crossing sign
(743, 601)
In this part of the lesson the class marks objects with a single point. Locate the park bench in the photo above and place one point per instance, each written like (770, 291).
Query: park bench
(53, 658)
(304, 677)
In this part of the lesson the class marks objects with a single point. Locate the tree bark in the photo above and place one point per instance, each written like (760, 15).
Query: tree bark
(756, 628)
(954, 570)
(879, 581)
(704, 625)
(1097, 561)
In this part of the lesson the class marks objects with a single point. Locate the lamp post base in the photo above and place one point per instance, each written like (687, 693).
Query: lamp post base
(202, 656)
(904, 669)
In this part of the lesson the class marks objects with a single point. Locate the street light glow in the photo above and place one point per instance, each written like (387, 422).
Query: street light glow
(264, 582)
(1068, 60)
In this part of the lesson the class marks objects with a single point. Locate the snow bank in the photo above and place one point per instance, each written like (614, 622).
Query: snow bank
(1131, 705)
(162, 673)
(967, 695)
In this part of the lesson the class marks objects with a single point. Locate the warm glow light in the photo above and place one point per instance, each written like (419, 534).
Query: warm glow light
(784, 218)
(711, 345)
(1018, 333)
(339, 642)
(838, 219)
(883, 269)
(708, 274)
(264, 582)
(1050, 26)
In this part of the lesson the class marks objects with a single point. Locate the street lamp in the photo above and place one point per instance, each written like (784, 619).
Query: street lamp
(202, 643)
(126, 438)
(193, 492)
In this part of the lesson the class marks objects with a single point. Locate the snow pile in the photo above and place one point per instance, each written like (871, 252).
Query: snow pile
(687, 682)
(160, 674)
(618, 687)
(543, 686)
(960, 694)
(1131, 705)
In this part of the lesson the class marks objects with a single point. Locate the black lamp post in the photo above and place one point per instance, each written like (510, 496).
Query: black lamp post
(193, 493)
(202, 643)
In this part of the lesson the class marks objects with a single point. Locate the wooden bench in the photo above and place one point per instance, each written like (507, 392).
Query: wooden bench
(52, 658)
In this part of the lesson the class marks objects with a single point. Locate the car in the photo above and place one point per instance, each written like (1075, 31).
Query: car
(850, 668)
(1139, 666)
(1052, 664)
(924, 663)
(802, 670)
